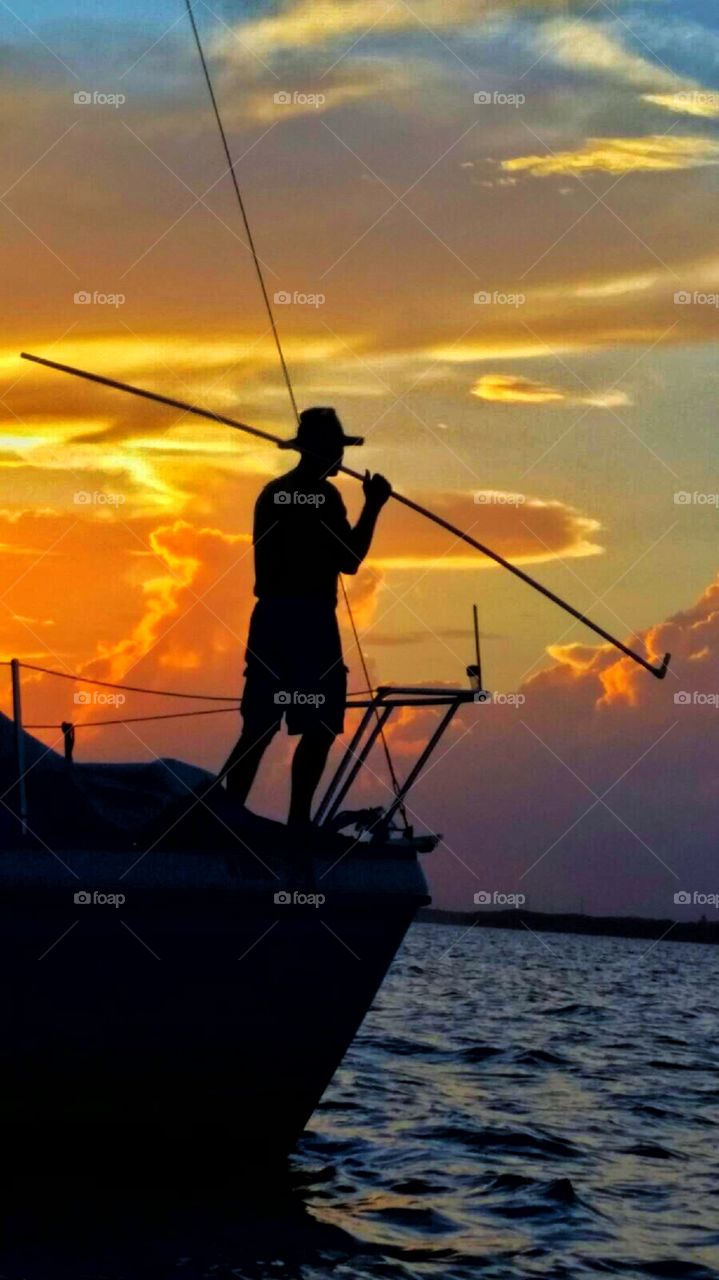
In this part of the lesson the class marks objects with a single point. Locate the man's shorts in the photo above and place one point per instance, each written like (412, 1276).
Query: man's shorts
(294, 666)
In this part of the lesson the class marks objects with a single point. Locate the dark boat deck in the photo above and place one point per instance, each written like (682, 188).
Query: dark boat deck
(186, 976)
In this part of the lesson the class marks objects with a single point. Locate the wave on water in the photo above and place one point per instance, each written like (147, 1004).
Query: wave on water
(508, 1111)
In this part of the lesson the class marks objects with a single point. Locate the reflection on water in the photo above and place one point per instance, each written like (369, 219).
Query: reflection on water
(514, 1106)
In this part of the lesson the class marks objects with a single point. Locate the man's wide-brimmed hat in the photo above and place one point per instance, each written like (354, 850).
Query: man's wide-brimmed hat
(318, 431)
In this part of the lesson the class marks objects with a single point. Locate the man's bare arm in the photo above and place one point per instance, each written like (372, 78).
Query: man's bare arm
(377, 491)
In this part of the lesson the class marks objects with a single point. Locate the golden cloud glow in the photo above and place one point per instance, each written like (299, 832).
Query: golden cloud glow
(505, 347)
(579, 657)
(506, 389)
(312, 24)
(650, 154)
(690, 102)
(460, 564)
(33, 433)
(168, 353)
(616, 287)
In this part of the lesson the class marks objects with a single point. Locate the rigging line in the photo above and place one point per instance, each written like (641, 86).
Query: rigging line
(172, 715)
(385, 744)
(268, 305)
(131, 688)
(241, 203)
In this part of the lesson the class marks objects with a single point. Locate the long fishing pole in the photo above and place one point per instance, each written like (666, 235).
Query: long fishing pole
(659, 670)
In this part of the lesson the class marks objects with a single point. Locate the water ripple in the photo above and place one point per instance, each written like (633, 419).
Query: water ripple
(510, 1110)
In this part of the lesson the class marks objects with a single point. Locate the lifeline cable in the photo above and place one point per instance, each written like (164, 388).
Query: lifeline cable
(172, 715)
(131, 688)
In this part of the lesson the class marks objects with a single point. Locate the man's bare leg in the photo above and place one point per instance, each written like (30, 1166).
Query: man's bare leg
(308, 765)
(240, 768)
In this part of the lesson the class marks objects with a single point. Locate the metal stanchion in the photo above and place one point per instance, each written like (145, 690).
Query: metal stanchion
(19, 746)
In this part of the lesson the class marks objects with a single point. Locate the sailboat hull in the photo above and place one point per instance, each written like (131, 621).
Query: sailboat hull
(198, 1020)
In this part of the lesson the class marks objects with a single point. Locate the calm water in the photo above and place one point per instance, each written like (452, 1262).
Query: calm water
(515, 1106)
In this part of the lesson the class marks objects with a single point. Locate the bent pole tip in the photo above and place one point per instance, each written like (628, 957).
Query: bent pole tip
(659, 671)
(663, 667)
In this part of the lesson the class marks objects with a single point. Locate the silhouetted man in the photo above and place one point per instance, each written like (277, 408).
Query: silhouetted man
(303, 541)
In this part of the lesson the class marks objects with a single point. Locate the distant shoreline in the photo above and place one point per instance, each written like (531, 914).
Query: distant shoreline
(575, 922)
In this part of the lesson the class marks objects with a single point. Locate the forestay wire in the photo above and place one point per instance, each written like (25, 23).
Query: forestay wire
(243, 211)
(278, 344)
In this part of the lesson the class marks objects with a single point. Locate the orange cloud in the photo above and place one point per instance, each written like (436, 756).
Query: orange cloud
(521, 528)
(162, 595)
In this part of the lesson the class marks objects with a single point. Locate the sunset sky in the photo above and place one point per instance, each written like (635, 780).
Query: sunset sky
(497, 225)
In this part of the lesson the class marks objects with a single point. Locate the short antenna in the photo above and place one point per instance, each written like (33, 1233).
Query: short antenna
(475, 614)
(474, 671)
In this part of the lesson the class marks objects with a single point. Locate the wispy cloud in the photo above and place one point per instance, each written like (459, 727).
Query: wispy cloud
(509, 389)
(514, 389)
(311, 25)
(588, 46)
(655, 153)
(690, 102)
